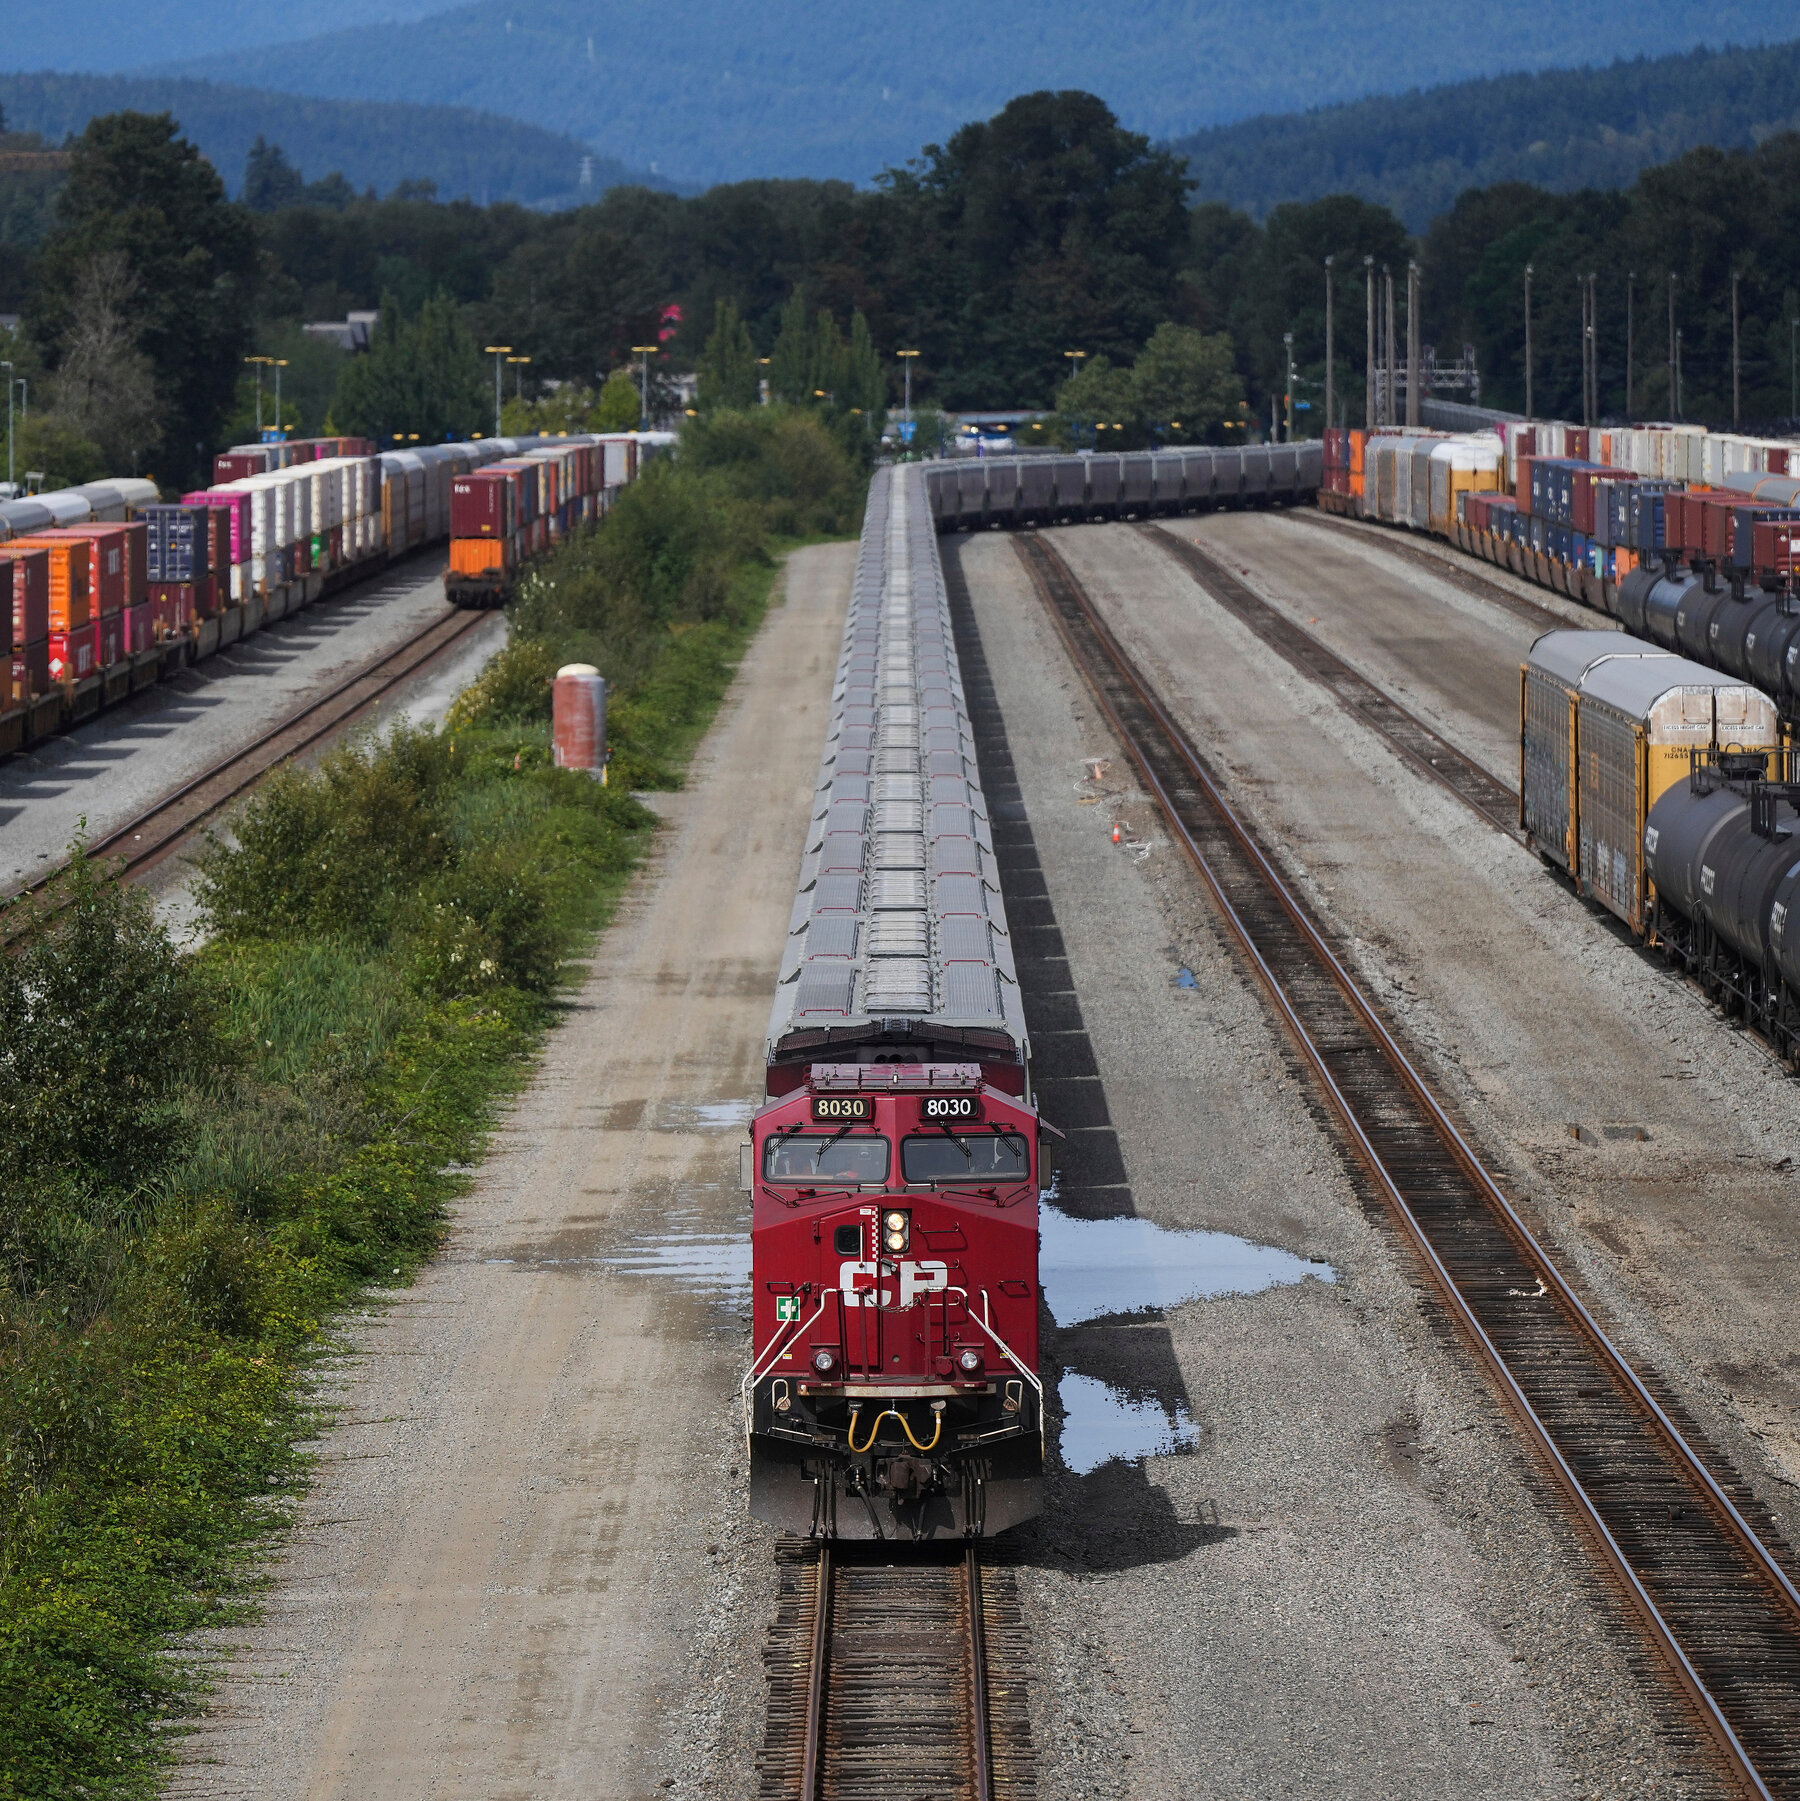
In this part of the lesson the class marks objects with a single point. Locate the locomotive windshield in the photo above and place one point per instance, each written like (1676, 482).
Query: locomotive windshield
(965, 1157)
(826, 1157)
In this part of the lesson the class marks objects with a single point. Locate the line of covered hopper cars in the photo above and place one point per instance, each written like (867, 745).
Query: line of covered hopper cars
(112, 587)
(969, 494)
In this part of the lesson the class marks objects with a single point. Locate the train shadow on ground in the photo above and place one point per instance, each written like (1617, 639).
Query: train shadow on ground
(1114, 1517)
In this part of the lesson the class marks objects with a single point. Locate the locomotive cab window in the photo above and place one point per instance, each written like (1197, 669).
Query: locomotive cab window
(847, 1158)
(951, 1156)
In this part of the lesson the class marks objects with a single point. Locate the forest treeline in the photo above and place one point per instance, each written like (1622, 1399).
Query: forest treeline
(1044, 230)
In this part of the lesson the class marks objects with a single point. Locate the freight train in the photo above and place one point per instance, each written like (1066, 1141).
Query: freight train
(896, 1164)
(1008, 492)
(112, 588)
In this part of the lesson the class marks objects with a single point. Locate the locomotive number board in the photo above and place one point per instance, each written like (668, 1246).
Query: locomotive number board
(844, 1108)
(950, 1106)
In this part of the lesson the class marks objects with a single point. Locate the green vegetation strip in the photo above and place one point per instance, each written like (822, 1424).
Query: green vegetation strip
(208, 1154)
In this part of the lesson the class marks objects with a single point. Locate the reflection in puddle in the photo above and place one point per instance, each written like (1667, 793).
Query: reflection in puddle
(1184, 978)
(704, 1116)
(700, 1260)
(1093, 1267)
(1100, 1424)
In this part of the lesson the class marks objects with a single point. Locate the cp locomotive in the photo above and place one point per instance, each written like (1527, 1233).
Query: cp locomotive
(895, 1165)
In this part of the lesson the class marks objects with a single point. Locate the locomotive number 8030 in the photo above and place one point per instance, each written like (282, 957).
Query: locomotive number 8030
(950, 1106)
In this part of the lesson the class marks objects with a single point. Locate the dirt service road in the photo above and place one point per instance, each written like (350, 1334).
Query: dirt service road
(527, 1568)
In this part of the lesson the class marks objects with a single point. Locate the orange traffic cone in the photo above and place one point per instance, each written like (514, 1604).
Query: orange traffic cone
(1118, 836)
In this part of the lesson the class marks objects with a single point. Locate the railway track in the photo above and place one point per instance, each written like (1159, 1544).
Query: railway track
(1392, 543)
(160, 829)
(1424, 748)
(1690, 1548)
(893, 1677)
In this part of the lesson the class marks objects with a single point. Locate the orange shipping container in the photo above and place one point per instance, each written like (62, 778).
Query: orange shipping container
(69, 561)
(474, 556)
(109, 565)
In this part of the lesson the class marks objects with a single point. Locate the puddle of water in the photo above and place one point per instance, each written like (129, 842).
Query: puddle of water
(715, 1267)
(705, 1116)
(1184, 978)
(1101, 1425)
(1092, 1267)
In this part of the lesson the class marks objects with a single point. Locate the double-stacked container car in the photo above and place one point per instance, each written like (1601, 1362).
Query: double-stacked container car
(111, 586)
(896, 1164)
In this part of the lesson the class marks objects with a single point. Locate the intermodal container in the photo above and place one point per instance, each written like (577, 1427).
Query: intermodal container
(140, 627)
(27, 573)
(109, 565)
(74, 655)
(69, 562)
(481, 506)
(30, 670)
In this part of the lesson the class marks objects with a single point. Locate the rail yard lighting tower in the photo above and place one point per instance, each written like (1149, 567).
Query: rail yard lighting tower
(1412, 344)
(1330, 344)
(642, 353)
(1630, 339)
(1674, 384)
(259, 361)
(1794, 366)
(907, 359)
(1369, 366)
(518, 363)
(1287, 339)
(1736, 366)
(1529, 414)
(1391, 389)
(281, 363)
(497, 351)
(11, 476)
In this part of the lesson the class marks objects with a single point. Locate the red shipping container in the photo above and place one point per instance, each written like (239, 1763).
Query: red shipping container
(1583, 487)
(1522, 492)
(31, 669)
(74, 655)
(1575, 442)
(1776, 546)
(234, 465)
(1778, 462)
(110, 642)
(28, 572)
(481, 506)
(140, 627)
(109, 565)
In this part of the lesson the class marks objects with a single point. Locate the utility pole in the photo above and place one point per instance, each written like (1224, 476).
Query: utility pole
(280, 364)
(1794, 366)
(1369, 378)
(1737, 412)
(1412, 344)
(1674, 403)
(259, 361)
(1330, 346)
(1678, 372)
(1630, 346)
(1287, 339)
(1529, 414)
(497, 351)
(11, 480)
(1389, 408)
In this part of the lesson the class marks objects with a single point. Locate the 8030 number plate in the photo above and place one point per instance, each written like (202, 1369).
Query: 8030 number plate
(949, 1106)
(846, 1109)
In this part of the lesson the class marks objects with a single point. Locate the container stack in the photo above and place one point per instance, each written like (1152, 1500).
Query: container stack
(25, 619)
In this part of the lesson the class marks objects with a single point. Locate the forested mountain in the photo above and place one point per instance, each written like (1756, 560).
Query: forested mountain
(707, 91)
(379, 145)
(1561, 130)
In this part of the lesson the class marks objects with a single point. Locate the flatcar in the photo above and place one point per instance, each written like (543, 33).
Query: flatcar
(897, 1163)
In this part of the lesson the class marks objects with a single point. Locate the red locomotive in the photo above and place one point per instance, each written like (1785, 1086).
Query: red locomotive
(897, 1165)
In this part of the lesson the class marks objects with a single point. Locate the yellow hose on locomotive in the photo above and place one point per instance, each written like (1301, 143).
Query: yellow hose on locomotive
(896, 1414)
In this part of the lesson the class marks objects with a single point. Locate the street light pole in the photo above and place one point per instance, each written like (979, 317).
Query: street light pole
(280, 364)
(1369, 366)
(1529, 414)
(643, 353)
(1630, 343)
(1287, 339)
(1075, 357)
(1674, 385)
(1412, 344)
(1330, 345)
(518, 363)
(259, 361)
(11, 480)
(497, 351)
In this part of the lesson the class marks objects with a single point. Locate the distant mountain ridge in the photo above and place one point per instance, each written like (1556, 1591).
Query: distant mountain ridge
(706, 91)
(373, 143)
(1563, 129)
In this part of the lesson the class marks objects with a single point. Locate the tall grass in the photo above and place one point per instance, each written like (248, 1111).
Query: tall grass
(203, 1156)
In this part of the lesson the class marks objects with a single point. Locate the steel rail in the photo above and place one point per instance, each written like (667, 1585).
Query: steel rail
(813, 1748)
(170, 819)
(1049, 574)
(978, 1686)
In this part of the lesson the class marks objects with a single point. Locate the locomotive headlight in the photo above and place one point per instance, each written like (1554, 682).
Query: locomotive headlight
(970, 1361)
(824, 1361)
(896, 1230)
